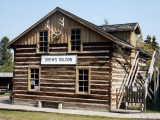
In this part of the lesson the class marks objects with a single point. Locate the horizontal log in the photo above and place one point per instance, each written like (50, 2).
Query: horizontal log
(101, 73)
(57, 90)
(100, 87)
(97, 44)
(58, 85)
(20, 84)
(62, 99)
(58, 69)
(41, 93)
(27, 55)
(58, 50)
(20, 72)
(93, 59)
(27, 63)
(20, 87)
(100, 92)
(26, 59)
(94, 54)
(100, 78)
(101, 69)
(59, 77)
(21, 80)
(26, 51)
(24, 46)
(100, 82)
(96, 63)
(96, 48)
(58, 81)
(57, 73)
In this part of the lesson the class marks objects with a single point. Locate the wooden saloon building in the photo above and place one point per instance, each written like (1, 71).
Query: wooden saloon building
(66, 59)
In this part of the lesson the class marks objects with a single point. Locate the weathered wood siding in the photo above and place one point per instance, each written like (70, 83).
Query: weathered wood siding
(119, 73)
(31, 37)
(59, 82)
(123, 35)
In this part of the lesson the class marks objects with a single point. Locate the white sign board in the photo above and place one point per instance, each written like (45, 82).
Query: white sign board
(59, 59)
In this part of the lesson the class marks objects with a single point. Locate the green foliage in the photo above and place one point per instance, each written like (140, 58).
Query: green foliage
(154, 43)
(148, 39)
(6, 64)
(106, 21)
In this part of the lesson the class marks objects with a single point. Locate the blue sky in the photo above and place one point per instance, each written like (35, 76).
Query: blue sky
(18, 15)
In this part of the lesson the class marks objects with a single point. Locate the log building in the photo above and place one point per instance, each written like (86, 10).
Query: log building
(65, 58)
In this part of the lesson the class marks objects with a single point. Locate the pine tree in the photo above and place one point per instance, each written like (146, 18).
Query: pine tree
(148, 39)
(6, 64)
(154, 43)
(106, 21)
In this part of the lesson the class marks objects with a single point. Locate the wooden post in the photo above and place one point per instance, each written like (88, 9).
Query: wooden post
(144, 98)
(155, 81)
(158, 78)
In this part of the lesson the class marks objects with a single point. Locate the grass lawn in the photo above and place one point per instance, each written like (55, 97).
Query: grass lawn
(5, 94)
(18, 115)
(152, 109)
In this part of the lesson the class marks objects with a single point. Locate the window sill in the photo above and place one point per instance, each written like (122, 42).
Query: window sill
(42, 53)
(75, 52)
(80, 93)
(33, 91)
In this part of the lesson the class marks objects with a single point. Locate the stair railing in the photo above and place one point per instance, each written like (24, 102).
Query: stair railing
(128, 80)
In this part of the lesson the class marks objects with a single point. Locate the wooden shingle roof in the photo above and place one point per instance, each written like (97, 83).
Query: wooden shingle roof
(121, 27)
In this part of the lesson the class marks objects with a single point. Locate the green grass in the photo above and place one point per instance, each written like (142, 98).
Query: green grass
(152, 109)
(5, 94)
(19, 115)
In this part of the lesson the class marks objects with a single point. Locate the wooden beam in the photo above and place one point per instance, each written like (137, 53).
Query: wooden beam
(155, 90)
(158, 79)
(121, 52)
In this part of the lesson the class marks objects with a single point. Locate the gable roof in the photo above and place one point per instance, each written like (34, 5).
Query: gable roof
(122, 27)
(80, 20)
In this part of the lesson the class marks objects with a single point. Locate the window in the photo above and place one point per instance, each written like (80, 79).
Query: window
(34, 79)
(75, 41)
(83, 80)
(43, 42)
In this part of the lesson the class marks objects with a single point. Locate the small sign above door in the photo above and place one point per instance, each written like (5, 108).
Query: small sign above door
(59, 59)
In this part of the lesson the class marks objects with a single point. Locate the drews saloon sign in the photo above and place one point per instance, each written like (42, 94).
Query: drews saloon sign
(59, 59)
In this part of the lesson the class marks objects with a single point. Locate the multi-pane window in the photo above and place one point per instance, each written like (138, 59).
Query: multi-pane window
(43, 42)
(34, 79)
(83, 79)
(75, 40)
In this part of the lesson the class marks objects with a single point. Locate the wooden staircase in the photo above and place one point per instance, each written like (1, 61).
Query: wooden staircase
(134, 78)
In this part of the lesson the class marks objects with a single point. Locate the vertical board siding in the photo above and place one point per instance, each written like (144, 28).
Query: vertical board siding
(87, 36)
(58, 82)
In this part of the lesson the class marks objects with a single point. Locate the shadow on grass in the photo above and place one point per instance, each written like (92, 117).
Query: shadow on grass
(152, 109)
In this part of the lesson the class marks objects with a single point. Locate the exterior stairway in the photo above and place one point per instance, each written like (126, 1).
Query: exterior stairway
(141, 76)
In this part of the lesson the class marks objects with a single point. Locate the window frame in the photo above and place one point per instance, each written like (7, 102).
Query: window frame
(29, 78)
(69, 40)
(38, 39)
(77, 80)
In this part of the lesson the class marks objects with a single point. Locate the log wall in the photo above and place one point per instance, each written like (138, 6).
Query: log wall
(58, 82)
(119, 73)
